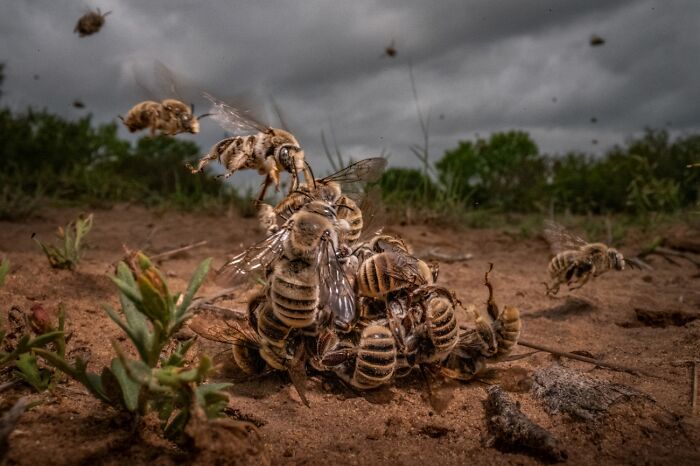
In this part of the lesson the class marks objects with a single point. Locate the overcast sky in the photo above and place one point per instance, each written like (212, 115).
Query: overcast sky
(479, 66)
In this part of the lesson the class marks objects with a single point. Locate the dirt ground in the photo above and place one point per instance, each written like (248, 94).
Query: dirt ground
(394, 425)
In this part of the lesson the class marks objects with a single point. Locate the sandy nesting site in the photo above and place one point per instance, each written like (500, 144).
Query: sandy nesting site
(395, 425)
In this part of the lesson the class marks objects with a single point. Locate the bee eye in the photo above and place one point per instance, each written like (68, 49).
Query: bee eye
(284, 152)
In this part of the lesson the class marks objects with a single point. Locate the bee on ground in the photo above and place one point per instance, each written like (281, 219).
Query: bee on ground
(575, 261)
(269, 151)
(90, 23)
(341, 189)
(300, 264)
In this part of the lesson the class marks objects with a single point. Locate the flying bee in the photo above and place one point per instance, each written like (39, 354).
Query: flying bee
(90, 23)
(169, 117)
(302, 267)
(167, 114)
(387, 272)
(369, 364)
(269, 150)
(575, 261)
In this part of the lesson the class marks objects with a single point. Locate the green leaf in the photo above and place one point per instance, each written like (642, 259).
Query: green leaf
(130, 292)
(177, 426)
(195, 282)
(29, 371)
(4, 270)
(141, 341)
(130, 388)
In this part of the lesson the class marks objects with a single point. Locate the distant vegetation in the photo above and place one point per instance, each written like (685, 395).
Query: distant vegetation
(507, 173)
(47, 157)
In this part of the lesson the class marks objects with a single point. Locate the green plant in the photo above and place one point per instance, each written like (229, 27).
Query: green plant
(4, 270)
(68, 255)
(155, 381)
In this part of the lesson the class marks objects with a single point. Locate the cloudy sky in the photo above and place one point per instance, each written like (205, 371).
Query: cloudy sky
(479, 66)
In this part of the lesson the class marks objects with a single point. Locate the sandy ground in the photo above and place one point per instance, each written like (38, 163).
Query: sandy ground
(395, 425)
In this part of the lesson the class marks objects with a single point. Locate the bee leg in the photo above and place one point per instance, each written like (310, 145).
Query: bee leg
(263, 190)
(584, 280)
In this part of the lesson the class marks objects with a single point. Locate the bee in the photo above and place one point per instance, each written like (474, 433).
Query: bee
(438, 304)
(390, 50)
(575, 260)
(381, 243)
(90, 23)
(269, 150)
(369, 364)
(260, 345)
(78, 104)
(391, 271)
(302, 268)
(495, 335)
(169, 117)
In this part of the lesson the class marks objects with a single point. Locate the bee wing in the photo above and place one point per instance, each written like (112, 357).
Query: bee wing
(253, 262)
(560, 239)
(372, 213)
(336, 291)
(166, 81)
(233, 119)
(364, 171)
(405, 268)
(216, 327)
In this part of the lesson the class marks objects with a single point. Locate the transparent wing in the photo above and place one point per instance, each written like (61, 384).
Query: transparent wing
(166, 80)
(373, 215)
(560, 239)
(233, 119)
(364, 171)
(216, 327)
(336, 292)
(252, 263)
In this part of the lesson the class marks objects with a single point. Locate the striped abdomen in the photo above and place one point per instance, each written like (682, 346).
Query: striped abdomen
(562, 262)
(383, 273)
(442, 325)
(376, 358)
(143, 115)
(509, 330)
(349, 211)
(273, 335)
(294, 292)
(246, 355)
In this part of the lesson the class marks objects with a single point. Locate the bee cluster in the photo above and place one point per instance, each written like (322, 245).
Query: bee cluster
(361, 307)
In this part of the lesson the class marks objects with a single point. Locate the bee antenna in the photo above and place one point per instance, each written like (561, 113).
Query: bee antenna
(203, 115)
(121, 118)
(192, 107)
(313, 178)
(110, 11)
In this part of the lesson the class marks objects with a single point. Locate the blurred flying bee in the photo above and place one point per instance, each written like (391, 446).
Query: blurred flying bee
(301, 265)
(169, 117)
(575, 261)
(390, 50)
(90, 23)
(596, 41)
(269, 150)
(78, 104)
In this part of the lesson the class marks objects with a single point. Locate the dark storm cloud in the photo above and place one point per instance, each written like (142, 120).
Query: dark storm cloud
(479, 66)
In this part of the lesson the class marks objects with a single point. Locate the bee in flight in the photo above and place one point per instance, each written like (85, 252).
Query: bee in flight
(90, 23)
(169, 116)
(575, 260)
(269, 150)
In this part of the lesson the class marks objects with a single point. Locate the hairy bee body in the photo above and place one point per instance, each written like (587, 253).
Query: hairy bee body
(274, 335)
(349, 211)
(508, 331)
(247, 356)
(308, 229)
(294, 292)
(170, 117)
(375, 362)
(441, 321)
(578, 266)
(383, 273)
